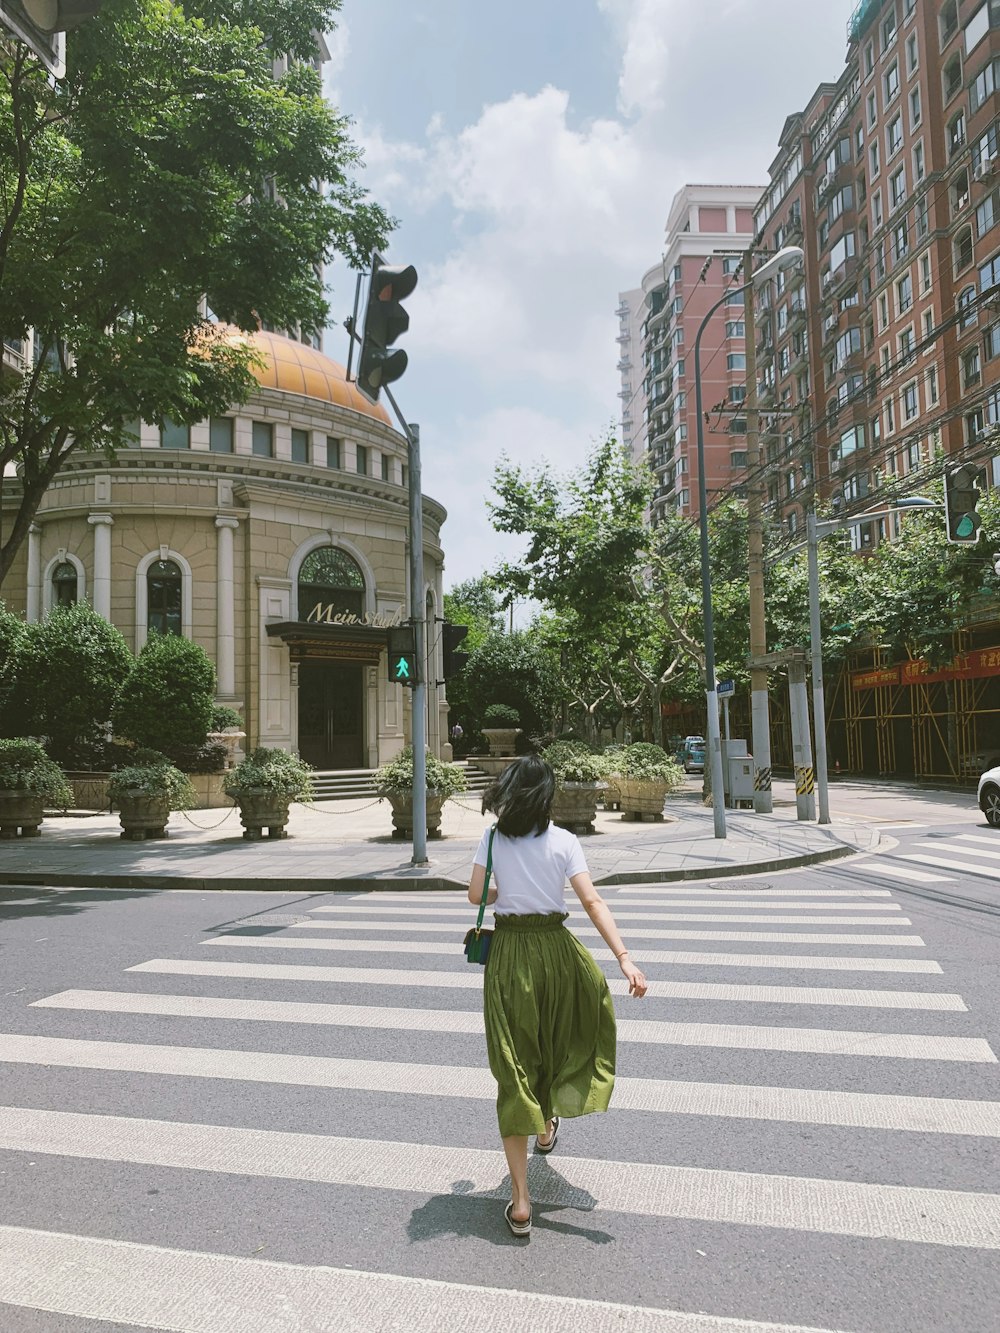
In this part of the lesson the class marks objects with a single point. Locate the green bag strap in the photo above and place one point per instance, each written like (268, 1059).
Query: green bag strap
(486, 886)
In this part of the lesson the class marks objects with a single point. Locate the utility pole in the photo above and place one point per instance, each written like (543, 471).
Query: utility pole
(759, 714)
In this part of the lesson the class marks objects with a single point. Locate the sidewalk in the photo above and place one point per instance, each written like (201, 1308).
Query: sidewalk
(347, 845)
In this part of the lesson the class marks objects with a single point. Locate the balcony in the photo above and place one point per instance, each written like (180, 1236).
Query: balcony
(797, 316)
(860, 19)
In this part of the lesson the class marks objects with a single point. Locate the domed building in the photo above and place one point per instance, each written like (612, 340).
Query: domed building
(275, 537)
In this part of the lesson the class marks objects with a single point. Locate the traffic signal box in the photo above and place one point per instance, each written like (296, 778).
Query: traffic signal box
(385, 320)
(41, 25)
(402, 656)
(453, 661)
(964, 483)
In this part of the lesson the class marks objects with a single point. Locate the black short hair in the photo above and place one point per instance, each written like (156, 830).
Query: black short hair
(521, 797)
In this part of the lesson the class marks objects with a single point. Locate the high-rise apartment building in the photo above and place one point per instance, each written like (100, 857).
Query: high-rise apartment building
(886, 351)
(708, 228)
(630, 322)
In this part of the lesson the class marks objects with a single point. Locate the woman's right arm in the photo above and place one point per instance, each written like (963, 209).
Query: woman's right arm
(600, 914)
(476, 886)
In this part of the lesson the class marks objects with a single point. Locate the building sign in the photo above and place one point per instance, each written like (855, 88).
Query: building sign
(329, 615)
(967, 666)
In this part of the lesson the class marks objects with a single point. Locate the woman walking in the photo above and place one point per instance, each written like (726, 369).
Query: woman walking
(550, 1022)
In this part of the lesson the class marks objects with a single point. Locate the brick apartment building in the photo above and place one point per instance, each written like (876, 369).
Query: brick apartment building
(658, 324)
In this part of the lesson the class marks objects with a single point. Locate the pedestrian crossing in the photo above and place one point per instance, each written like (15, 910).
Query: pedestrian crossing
(192, 1068)
(961, 853)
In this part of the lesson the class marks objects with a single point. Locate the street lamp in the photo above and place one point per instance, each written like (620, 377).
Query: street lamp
(815, 530)
(789, 257)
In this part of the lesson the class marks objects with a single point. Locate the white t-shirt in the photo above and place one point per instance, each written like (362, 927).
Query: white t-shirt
(529, 873)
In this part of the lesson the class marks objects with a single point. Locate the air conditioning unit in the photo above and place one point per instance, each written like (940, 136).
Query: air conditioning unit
(986, 167)
(823, 184)
(830, 323)
(827, 281)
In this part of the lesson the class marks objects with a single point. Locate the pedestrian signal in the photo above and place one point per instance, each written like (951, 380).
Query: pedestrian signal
(963, 486)
(452, 660)
(402, 657)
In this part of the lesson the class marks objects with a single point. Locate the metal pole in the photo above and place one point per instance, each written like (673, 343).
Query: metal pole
(711, 691)
(816, 650)
(763, 802)
(798, 703)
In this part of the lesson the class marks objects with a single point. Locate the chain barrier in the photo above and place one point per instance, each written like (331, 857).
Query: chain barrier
(355, 810)
(207, 828)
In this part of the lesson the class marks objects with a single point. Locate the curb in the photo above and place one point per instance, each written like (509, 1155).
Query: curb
(411, 883)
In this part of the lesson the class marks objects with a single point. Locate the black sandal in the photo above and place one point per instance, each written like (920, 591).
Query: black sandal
(547, 1147)
(517, 1228)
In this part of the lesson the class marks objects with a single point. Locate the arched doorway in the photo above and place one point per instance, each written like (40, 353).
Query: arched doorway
(331, 692)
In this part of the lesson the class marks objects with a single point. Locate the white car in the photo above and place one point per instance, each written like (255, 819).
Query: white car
(989, 796)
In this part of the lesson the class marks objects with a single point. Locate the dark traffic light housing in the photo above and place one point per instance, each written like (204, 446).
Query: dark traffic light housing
(402, 656)
(40, 24)
(964, 483)
(385, 320)
(453, 661)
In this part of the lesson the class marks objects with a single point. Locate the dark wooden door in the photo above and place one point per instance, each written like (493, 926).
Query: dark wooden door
(331, 714)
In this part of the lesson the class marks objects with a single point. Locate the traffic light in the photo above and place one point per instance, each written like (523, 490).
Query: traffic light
(385, 320)
(402, 656)
(963, 485)
(452, 636)
(40, 24)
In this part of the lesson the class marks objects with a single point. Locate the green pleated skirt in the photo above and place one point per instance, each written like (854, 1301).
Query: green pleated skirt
(550, 1024)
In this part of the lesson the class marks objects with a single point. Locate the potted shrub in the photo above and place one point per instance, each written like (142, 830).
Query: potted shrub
(264, 786)
(579, 784)
(29, 780)
(144, 793)
(649, 775)
(500, 727)
(227, 730)
(394, 781)
(612, 796)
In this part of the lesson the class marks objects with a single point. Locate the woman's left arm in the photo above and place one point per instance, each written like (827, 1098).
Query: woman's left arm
(476, 886)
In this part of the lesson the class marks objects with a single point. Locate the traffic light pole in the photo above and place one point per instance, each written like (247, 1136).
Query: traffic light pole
(418, 618)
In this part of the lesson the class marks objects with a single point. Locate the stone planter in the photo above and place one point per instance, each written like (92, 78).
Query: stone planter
(262, 809)
(501, 739)
(643, 798)
(574, 806)
(402, 813)
(20, 812)
(143, 816)
(231, 740)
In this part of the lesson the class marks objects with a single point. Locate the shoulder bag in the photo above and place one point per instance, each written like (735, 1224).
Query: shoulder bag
(477, 940)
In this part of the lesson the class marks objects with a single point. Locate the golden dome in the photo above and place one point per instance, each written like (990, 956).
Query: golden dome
(295, 367)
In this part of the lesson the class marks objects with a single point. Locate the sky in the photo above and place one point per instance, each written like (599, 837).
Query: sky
(530, 151)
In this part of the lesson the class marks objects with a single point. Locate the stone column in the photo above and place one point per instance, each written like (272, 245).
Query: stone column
(101, 523)
(34, 608)
(225, 616)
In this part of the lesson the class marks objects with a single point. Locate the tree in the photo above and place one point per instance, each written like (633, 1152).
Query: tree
(167, 701)
(12, 632)
(474, 603)
(513, 669)
(70, 669)
(169, 165)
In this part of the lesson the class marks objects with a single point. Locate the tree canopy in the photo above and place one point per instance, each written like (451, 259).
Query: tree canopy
(171, 165)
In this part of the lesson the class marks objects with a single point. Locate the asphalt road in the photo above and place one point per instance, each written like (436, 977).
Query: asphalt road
(278, 1107)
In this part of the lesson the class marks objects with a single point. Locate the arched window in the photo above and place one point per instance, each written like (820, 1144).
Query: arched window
(329, 577)
(164, 597)
(64, 584)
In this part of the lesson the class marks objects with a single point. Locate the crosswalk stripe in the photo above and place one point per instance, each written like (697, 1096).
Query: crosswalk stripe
(647, 933)
(671, 891)
(957, 846)
(806, 962)
(816, 1041)
(858, 1110)
(472, 980)
(790, 1203)
(967, 867)
(387, 913)
(153, 1287)
(978, 837)
(902, 872)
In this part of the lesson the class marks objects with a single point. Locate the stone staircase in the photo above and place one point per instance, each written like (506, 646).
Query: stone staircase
(351, 784)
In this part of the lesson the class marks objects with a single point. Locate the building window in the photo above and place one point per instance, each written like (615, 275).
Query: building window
(922, 216)
(912, 53)
(164, 587)
(904, 294)
(989, 275)
(736, 361)
(986, 214)
(952, 77)
(330, 578)
(963, 249)
(332, 451)
(737, 393)
(894, 135)
(738, 458)
(984, 85)
(889, 28)
(873, 159)
(956, 134)
(174, 435)
(132, 430)
(919, 170)
(892, 81)
(877, 209)
(932, 385)
(967, 314)
(906, 352)
(731, 264)
(734, 298)
(300, 445)
(386, 467)
(736, 328)
(910, 407)
(262, 439)
(928, 327)
(220, 435)
(869, 59)
(916, 111)
(362, 459)
(64, 584)
(900, 241)
(979, 25)
(872, 109)
(897, 187)
(971, 371)
(991, 342)
(890, 416)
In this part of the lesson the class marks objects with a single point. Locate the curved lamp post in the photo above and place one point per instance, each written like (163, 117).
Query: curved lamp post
(789, 257)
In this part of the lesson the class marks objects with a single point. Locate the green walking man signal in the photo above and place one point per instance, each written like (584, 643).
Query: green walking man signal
(964, 486)
(402, 657)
